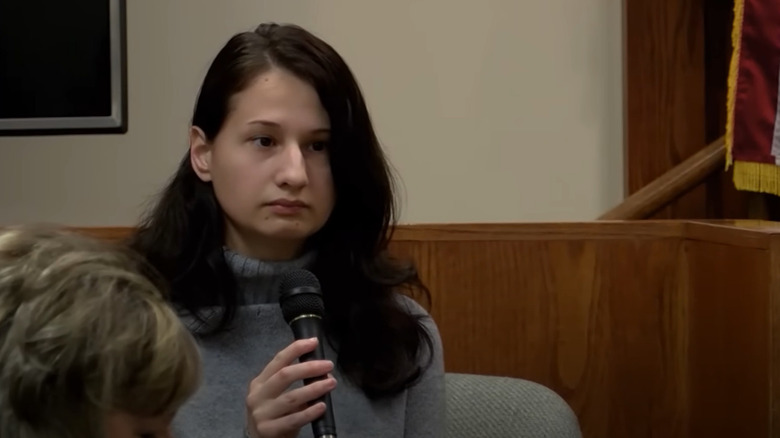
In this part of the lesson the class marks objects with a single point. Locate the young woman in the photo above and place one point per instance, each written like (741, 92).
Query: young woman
(283, 172)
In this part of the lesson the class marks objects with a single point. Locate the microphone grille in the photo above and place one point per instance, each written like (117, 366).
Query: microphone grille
(298, 278)
(300, 294)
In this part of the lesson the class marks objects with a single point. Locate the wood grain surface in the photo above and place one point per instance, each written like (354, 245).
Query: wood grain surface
(664, 44)
(729, 341)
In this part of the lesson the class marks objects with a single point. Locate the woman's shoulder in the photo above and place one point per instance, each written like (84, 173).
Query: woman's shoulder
(414, 308)
(411, 305)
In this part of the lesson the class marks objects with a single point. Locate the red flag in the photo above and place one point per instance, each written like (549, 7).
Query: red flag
(753, 128)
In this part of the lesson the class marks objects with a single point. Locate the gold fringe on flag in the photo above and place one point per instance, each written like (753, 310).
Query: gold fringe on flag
(757, 177)
(736, 38)
(749, 176)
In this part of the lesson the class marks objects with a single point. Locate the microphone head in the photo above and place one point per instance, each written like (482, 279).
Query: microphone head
(300, 294)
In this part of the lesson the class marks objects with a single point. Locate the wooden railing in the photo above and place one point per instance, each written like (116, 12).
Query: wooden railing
(671, 185)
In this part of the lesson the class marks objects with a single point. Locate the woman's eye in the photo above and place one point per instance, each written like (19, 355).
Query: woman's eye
(263, 141)
(319, 146)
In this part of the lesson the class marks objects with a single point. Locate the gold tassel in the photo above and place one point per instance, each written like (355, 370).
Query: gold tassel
(736, 42)
(757, 177)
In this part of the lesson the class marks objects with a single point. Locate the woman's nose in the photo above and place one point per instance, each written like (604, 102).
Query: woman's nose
(292, 171)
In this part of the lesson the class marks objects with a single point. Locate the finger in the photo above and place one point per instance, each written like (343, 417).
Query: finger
(291, 423)
(291, 401)
(279, 382)
(286, 357)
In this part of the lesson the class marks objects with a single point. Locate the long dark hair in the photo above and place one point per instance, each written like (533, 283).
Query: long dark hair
(380, 344)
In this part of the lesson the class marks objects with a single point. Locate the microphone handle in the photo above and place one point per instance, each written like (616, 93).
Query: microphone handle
(310, 327)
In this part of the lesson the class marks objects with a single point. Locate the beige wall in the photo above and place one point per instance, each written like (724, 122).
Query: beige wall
(498, 110)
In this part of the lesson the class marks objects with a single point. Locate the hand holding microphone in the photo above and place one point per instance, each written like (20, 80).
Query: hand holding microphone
(274, 413)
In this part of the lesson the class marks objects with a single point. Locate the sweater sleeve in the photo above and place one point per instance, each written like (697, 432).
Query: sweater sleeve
(425, 402)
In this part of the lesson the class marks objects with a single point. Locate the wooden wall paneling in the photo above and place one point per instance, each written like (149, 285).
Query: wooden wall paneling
(729, 352)
(664, 94)
(663, 333)
(596, 317)
(773, 291)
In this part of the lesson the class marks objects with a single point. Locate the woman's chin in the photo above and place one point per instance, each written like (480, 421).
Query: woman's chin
(287, 230)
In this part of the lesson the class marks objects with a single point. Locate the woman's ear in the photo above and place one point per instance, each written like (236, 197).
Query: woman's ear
(200, 154)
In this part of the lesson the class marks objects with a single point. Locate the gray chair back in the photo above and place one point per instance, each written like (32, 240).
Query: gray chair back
(497, 407)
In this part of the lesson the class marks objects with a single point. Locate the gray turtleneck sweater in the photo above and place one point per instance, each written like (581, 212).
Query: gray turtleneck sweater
(233, 358)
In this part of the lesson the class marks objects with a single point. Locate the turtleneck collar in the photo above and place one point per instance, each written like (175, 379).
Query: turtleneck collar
(258, 280)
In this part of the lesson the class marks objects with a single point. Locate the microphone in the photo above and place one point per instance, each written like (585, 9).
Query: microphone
(302, 307)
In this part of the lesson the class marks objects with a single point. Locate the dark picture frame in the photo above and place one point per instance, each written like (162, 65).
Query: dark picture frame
(95, 101)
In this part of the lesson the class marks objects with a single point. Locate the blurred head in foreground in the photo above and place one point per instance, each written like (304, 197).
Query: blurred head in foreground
(88, 346)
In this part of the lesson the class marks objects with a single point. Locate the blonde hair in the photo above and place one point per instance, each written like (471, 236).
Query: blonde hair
(84, 331)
